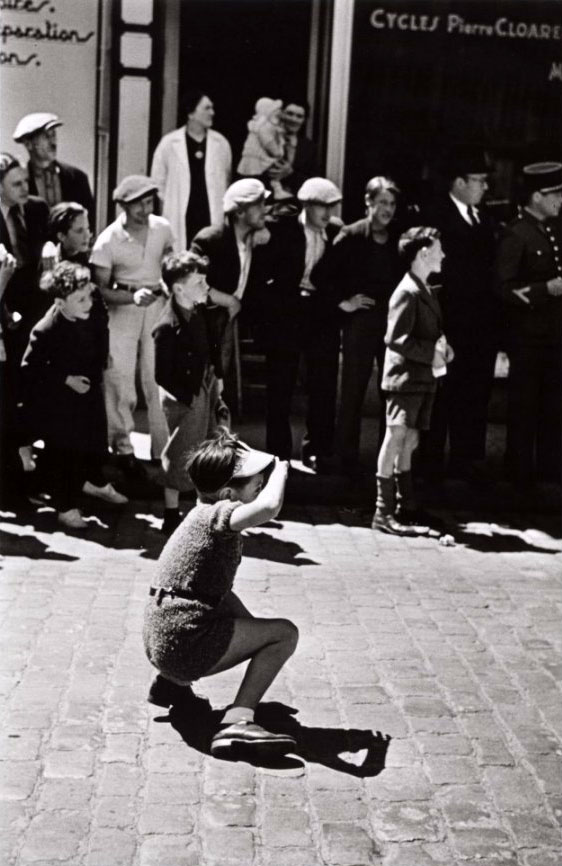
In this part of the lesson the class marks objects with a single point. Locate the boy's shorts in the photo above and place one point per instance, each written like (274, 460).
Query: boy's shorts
(411, 410)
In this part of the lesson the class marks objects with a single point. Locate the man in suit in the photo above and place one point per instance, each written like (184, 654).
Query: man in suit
(296, 316)
(367, 269)
(54, 181)
(470, 318)
(23, 231)
(416, 355)
(529, 281)
(234, 250)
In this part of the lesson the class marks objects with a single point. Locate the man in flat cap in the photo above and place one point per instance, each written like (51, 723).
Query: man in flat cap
(470, 319)
(296, 317)
(50, 179)
(529, 281)
(234, 257)
(127, 260)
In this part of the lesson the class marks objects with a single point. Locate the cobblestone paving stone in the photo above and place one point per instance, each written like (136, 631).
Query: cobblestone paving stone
(425, 690)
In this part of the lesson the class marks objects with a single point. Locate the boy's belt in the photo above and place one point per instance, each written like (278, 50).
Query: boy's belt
(162, 591)
(128, 287)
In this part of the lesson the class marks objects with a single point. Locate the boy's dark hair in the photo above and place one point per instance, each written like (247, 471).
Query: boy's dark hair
(61, 217)
(7, 163)
(414, 240)
(65, 279)
(380, 184)
(176, 266)
(212, 464)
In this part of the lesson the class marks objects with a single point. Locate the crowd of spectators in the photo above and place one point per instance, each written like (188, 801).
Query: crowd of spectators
(199, 253)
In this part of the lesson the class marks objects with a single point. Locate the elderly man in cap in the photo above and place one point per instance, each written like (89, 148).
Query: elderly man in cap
(127, 259)
(50, 179)
(234, 257)
(470, 316)
(296, 316)
(529, 281)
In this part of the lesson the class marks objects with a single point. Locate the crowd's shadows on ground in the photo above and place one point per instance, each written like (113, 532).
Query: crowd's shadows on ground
(359, 753)
(30, 547)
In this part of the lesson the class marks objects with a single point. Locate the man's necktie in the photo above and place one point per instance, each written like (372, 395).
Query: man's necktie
(21, 235)
(472, 216)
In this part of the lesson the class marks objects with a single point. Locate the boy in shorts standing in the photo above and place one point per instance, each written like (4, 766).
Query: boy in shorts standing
(416, 355)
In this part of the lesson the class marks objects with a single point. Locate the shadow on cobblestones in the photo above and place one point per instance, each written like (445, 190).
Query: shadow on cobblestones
(30, 547)
(359, 753)
(508, 537)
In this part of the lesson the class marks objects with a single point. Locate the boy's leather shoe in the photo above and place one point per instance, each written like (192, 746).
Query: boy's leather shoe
(246, 734)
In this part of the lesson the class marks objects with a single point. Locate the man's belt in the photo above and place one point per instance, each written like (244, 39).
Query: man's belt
(168, 591)
(128, 287)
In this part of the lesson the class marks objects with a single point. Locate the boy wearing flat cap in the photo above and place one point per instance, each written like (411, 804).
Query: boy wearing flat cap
(52, 180)
(529, 281)
(127, 262)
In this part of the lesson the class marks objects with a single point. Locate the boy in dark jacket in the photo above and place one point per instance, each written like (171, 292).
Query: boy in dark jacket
(62, 372)
(188, 372)
(416, 354)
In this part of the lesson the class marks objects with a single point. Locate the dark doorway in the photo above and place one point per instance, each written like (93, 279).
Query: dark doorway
(239, 50)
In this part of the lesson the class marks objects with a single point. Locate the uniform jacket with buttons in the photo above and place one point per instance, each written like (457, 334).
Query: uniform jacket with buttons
(183, 350)
(529, 255)
(414, 326)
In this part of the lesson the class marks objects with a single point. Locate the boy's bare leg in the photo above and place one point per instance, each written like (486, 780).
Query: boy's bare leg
(268, 643)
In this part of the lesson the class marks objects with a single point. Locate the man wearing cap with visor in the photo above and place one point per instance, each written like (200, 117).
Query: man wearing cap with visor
(50, 179)
(298, 317)
(529, 281)
(232, 250)
(127, 258)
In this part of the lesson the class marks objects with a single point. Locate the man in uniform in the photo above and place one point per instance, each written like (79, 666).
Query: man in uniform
(50, 179)
(529, 280)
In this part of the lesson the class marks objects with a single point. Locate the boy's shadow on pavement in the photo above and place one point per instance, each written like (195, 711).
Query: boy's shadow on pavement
(366, 750)
(262, 545)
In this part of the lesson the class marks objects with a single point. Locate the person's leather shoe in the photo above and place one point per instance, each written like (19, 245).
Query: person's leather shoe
(164, 693)
(246, 734)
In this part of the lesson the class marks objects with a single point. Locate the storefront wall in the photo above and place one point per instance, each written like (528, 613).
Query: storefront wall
(48, 61)
(428, 75)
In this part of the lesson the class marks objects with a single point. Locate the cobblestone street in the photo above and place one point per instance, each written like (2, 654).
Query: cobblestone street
(423, 696)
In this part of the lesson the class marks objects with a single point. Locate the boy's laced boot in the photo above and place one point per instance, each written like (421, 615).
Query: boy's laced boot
(407, 509)
(384, 519)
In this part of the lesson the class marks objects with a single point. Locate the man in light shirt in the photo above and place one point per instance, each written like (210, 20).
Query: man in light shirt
(127, 259)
